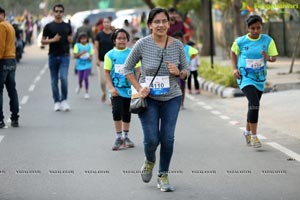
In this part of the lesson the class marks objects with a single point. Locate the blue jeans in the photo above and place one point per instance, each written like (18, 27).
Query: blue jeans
(7, 78)
(158, 123)
(59, 66)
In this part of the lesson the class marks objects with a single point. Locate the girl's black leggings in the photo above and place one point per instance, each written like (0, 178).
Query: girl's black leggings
(253, 95)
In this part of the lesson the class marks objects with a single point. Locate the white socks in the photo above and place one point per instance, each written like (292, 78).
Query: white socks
(247, 132)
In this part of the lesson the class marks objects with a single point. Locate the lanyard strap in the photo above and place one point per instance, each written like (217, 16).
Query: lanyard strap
(162, 57)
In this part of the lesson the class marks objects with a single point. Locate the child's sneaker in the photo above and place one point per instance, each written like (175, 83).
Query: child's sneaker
(197, 91)
(255, 142)
(86, 96)
(163, 184)
(118, 143)
(77, 90)
(128, 143)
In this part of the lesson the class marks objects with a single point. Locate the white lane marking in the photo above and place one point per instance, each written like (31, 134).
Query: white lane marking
(224, 117)
(201, 103)
(261, 137)
(215, 112)
(207, 107)
(42, 71)
(191, 97)
(285, 150)
(36, 79)
(24, 100)
(1, 137)
(234, 122)
(31, 88)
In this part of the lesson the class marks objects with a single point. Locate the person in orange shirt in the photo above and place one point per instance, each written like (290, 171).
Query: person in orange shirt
(8, 69)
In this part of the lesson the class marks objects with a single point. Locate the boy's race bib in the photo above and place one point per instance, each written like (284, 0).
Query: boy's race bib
(119, 70)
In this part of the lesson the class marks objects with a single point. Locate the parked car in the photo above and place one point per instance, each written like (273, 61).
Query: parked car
(92, 15)
(132, 15)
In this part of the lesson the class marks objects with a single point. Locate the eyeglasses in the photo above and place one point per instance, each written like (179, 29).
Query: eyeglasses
(157, 22)
(121, 38)
(58, 11)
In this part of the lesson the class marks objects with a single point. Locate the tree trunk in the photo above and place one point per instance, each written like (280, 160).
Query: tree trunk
(149, 3)
(294, 53)
(175, 2)
(237, 18)
(206, 51)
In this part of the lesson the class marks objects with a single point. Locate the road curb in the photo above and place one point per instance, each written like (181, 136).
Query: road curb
(222, 91)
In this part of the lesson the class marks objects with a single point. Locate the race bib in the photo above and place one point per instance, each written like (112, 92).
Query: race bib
(255, 64)
(119, 70)
(85, 56)
(160, 85)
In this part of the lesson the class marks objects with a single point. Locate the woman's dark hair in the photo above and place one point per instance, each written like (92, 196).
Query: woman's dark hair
(2, 11)
(58, 6)
(253, 19)
(156, 11)
(115, 33)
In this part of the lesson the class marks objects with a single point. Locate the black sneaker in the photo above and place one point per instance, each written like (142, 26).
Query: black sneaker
(2, 124)
(14, 123)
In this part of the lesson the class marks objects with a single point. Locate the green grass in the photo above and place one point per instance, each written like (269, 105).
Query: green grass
(219, 74)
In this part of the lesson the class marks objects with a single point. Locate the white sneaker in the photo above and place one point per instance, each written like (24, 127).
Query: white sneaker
(65, 106)
(57, 106)
(86, 96)
(77, 90)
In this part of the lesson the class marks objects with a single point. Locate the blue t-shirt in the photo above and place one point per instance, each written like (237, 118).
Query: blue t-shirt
(251, 63)
(114, 62)
(83, 62)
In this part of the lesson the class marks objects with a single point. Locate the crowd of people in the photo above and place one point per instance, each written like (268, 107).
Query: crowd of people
(165, 56)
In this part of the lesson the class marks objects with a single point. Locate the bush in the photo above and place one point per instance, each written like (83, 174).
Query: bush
(219, 74)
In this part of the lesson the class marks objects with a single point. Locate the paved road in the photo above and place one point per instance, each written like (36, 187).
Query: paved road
(67, 155)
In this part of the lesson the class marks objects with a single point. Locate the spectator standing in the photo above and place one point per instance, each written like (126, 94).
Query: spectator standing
(143, 24)
(87, 29)
(8, 70)
(103, 44)
(194, 64)
(190, 53)
(175, 23)
(28, 29)
(130, 29)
